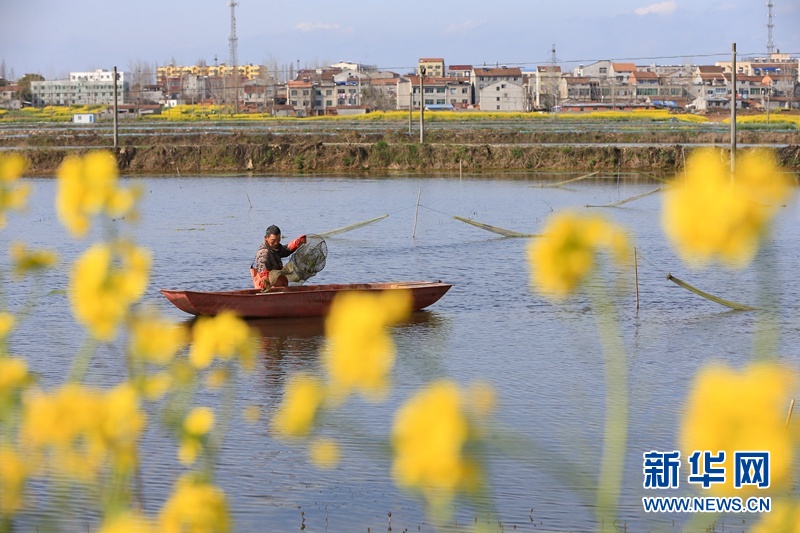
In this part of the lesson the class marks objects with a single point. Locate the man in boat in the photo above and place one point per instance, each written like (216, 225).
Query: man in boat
(266, 267)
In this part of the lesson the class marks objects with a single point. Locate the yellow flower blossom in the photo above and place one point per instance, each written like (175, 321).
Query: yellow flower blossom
(564, 256)
(14, 377)
(102, 293)
(13, 195)
(302, 399)
(155, 386)
(85, 428)
(252, 414)
(224, 336)
(324, 453)
(730, 410)
(155, 340)
(12, 166)
(129, 522)
(195, 507)
(783, 518)
(217, 377)
(360, 352)
(14, 472)
(430, 434)
(87, 186)
(7, 323)
(707, 216)
(199, 422)
(25, 260)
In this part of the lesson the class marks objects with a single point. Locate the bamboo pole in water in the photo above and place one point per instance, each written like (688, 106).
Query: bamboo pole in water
(495, 229)
(789, 416)
(636, 276)
(416, 213)
(560, 183)
(351, 227)
(721, 301)
(626, 200)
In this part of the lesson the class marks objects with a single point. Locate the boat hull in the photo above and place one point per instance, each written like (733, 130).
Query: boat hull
(294, 301)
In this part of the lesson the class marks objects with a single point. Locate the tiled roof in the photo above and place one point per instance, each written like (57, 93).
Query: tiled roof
(623, 67)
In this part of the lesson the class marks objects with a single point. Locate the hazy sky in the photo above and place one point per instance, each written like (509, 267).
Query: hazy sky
(54, 37)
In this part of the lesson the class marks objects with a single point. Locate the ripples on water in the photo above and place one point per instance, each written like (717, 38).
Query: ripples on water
(544, 360)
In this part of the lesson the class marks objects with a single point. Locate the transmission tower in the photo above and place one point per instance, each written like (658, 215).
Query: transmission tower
(232, 40)
(770, 25)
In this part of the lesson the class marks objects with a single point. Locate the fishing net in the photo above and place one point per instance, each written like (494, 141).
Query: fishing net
(307, 260)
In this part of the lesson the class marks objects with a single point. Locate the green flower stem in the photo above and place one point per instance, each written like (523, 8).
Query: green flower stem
(766, 336)
(82, 359)
(616, 426)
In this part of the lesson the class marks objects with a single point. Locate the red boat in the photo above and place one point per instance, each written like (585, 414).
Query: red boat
(294, 301)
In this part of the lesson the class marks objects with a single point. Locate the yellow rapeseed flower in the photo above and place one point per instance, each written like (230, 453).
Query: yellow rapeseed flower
(195, 507)
(7, 323)
(13, 195)
(84, 428)
(360, 352)
(324, 453)
(101, 293)
(199, 421)
(784, 517)
(155, 386)
(302, 398)
(154, 339)
(87, 186)
(197, 424)
(708, 216)
(223, 336)
(741, 410)
(252, 414)
(129, 522)
(14, 377)
(14, 472)
(430, 434)
(25, 260)
(12, 166)
(564, 256)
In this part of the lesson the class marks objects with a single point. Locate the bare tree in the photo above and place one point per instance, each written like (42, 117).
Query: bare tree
(141, 74)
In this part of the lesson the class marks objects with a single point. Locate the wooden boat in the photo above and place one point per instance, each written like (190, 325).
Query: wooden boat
(294, 301)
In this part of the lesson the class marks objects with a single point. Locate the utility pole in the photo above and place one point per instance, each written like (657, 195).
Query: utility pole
(422, 105)
(410, 106)
(116, 125)
(733, 110)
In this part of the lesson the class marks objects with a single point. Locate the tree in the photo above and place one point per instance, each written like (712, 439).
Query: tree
(3, 69)
(141, 74)
(25, 86)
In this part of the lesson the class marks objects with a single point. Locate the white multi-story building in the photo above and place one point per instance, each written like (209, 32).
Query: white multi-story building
(82, 88)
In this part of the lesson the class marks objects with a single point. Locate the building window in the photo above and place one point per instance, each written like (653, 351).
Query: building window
(329, 103)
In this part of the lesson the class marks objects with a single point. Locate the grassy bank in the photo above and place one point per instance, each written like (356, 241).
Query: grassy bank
(299, 156)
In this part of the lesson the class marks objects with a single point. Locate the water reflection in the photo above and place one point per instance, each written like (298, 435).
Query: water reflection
(543, 359)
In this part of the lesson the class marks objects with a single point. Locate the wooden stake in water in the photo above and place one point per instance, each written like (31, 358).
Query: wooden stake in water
(416, 213)
(789, 416)
(636, 276)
